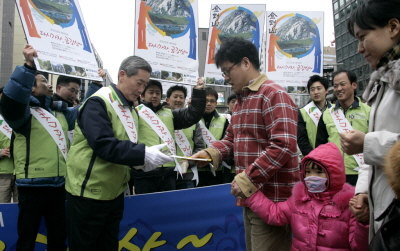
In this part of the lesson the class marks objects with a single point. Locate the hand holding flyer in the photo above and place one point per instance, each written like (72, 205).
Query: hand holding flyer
(190, 158)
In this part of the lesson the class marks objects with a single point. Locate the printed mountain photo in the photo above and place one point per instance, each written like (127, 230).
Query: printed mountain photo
(169, 16)
(57, 10)
(237, 23)
(295, 36)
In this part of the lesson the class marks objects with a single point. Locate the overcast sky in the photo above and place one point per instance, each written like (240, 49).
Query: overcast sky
(111, 23)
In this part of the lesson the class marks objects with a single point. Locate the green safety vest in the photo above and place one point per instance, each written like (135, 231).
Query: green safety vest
(216, 128)
(149, 137)
(38, 156)
(90, 176)
(189, 133)
(6, 163)
(311, 127)
(63, 121)
(358, 118)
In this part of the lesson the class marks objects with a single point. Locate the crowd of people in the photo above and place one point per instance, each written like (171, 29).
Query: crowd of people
(120, 140)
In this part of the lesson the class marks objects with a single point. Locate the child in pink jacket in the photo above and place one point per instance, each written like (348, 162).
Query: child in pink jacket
(318, 209)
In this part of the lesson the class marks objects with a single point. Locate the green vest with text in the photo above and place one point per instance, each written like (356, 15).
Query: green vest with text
(149, 137)
(189, 132)
(311, 127)
(38, 156)
(90, 176)
(6, 163)
(358, 118)
(217, 130)
(61, 117)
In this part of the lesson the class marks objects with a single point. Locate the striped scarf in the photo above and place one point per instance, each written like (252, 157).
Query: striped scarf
(388, 70)
(391, 55)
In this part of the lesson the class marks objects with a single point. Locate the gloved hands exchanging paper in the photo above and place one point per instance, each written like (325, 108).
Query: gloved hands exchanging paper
(154, 157)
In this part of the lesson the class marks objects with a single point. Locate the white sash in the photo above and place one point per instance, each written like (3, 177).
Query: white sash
(71, 136)
(124, 114)
(183, 143)
(343, 125)
(208, 139)
(53, 127)
(160, 128)
(5, 128)
(207, 135)
(313, 111)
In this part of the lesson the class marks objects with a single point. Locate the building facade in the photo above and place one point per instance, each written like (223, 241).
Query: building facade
(12, 40)
(346, 45)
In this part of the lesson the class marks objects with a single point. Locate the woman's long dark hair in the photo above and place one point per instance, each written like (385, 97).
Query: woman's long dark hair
(374, 13)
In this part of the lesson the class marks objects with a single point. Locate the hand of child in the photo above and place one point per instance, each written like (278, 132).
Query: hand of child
(359, 207)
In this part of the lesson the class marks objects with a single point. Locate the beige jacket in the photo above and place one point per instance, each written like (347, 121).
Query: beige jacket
(383, 95)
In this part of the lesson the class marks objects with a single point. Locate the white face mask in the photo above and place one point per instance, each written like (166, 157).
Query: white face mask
(315, 184)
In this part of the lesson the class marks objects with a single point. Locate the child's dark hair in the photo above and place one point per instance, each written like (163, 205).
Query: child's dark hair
(314, 165)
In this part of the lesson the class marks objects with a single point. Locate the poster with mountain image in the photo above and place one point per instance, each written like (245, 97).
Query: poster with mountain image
(226, 20)
(166, 36)
(294, 48)
(55, 28)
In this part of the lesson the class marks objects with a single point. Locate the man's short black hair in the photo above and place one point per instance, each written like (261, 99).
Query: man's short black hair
(317, 78)
(212, 92)
(350, 75)
(177, 88)
(151, 83)
(45, 74)
(235, 49)
(232, 96)
(65, 80)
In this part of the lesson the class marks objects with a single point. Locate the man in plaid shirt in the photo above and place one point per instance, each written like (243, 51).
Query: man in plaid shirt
(262, 138)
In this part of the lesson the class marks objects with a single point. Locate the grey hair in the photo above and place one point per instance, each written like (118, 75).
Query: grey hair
(132, 64)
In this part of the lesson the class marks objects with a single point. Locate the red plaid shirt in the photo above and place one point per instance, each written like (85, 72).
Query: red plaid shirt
(262, 137)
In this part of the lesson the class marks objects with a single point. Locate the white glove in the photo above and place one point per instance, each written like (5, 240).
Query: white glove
(154, 157)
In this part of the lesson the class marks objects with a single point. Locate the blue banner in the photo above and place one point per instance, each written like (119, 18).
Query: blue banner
(195, 219)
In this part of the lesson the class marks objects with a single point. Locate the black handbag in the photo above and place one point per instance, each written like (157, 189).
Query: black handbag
(388, 236)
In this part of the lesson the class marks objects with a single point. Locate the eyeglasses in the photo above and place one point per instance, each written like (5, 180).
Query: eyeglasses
(227, 72)
(212, 101)
(72, 90)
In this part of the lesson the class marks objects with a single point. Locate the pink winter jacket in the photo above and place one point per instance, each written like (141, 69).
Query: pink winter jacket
(319, 221)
